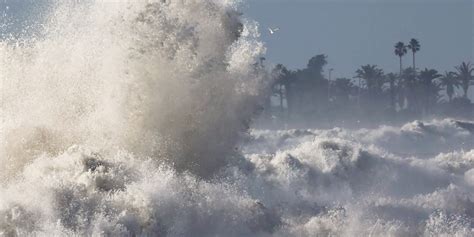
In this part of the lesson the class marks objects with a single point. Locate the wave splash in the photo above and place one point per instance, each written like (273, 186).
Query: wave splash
(172, 80)
(367, 182)
(121, 119)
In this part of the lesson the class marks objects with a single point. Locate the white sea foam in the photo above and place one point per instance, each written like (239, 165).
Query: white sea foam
(342, 182)
(169, 79)
(122, 119)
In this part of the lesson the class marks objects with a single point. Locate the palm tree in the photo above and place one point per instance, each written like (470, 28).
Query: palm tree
(429, 88)
(450, 81)
(428, 76)
(391, 78)
(400, 51)
(414, 46)
(464, 74)
(407, 89)
(281, 74)
(343, 89)
(372, 75)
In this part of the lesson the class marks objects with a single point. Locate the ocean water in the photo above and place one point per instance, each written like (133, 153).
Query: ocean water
(133, 118)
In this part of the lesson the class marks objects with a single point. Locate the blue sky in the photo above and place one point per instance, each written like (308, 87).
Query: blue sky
(358, 32)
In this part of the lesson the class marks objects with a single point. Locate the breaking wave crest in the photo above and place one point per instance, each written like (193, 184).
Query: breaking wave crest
(173, 80)
(122, 119)
(368, 182)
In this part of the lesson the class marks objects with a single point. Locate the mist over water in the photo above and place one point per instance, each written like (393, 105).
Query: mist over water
(131, 119)
(170, 80)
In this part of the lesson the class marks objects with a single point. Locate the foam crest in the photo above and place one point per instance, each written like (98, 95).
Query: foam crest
(122, 118)
(172, 80)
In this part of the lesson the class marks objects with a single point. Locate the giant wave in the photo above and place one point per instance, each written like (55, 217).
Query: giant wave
(129, 119)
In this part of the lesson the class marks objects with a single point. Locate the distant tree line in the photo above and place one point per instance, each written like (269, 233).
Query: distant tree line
(411, 93)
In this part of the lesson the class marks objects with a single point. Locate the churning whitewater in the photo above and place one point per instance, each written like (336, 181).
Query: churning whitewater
(131, 118)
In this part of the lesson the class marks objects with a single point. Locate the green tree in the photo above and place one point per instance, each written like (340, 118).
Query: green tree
(450, 82)
(281, 75)
(373, 77)
(414, 46)
(429, 88)
(464, 74)
(408, 90)
(392, 80)
(316, 64)
(315, 98)
(343, 89)
(400, 51)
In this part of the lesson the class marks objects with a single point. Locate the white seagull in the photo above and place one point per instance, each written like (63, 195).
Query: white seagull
(273, 30)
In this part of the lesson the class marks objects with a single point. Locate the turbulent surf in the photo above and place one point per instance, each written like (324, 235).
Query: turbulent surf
(133, 118)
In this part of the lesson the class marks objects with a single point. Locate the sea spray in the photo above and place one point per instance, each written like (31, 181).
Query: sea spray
(121, 119)
(172, 80)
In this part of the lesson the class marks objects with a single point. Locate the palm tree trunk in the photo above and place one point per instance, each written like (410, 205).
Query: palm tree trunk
(465, 89)
(401, 69)
(414, 66)
(427, 101)
(449, 92)
(401, 101)
(358, 95)
(289, 100)
(281, 98)
(392, 94)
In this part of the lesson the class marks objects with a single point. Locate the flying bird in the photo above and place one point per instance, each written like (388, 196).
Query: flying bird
(273, 30)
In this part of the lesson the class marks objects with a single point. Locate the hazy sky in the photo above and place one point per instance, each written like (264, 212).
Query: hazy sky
(357, 32)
